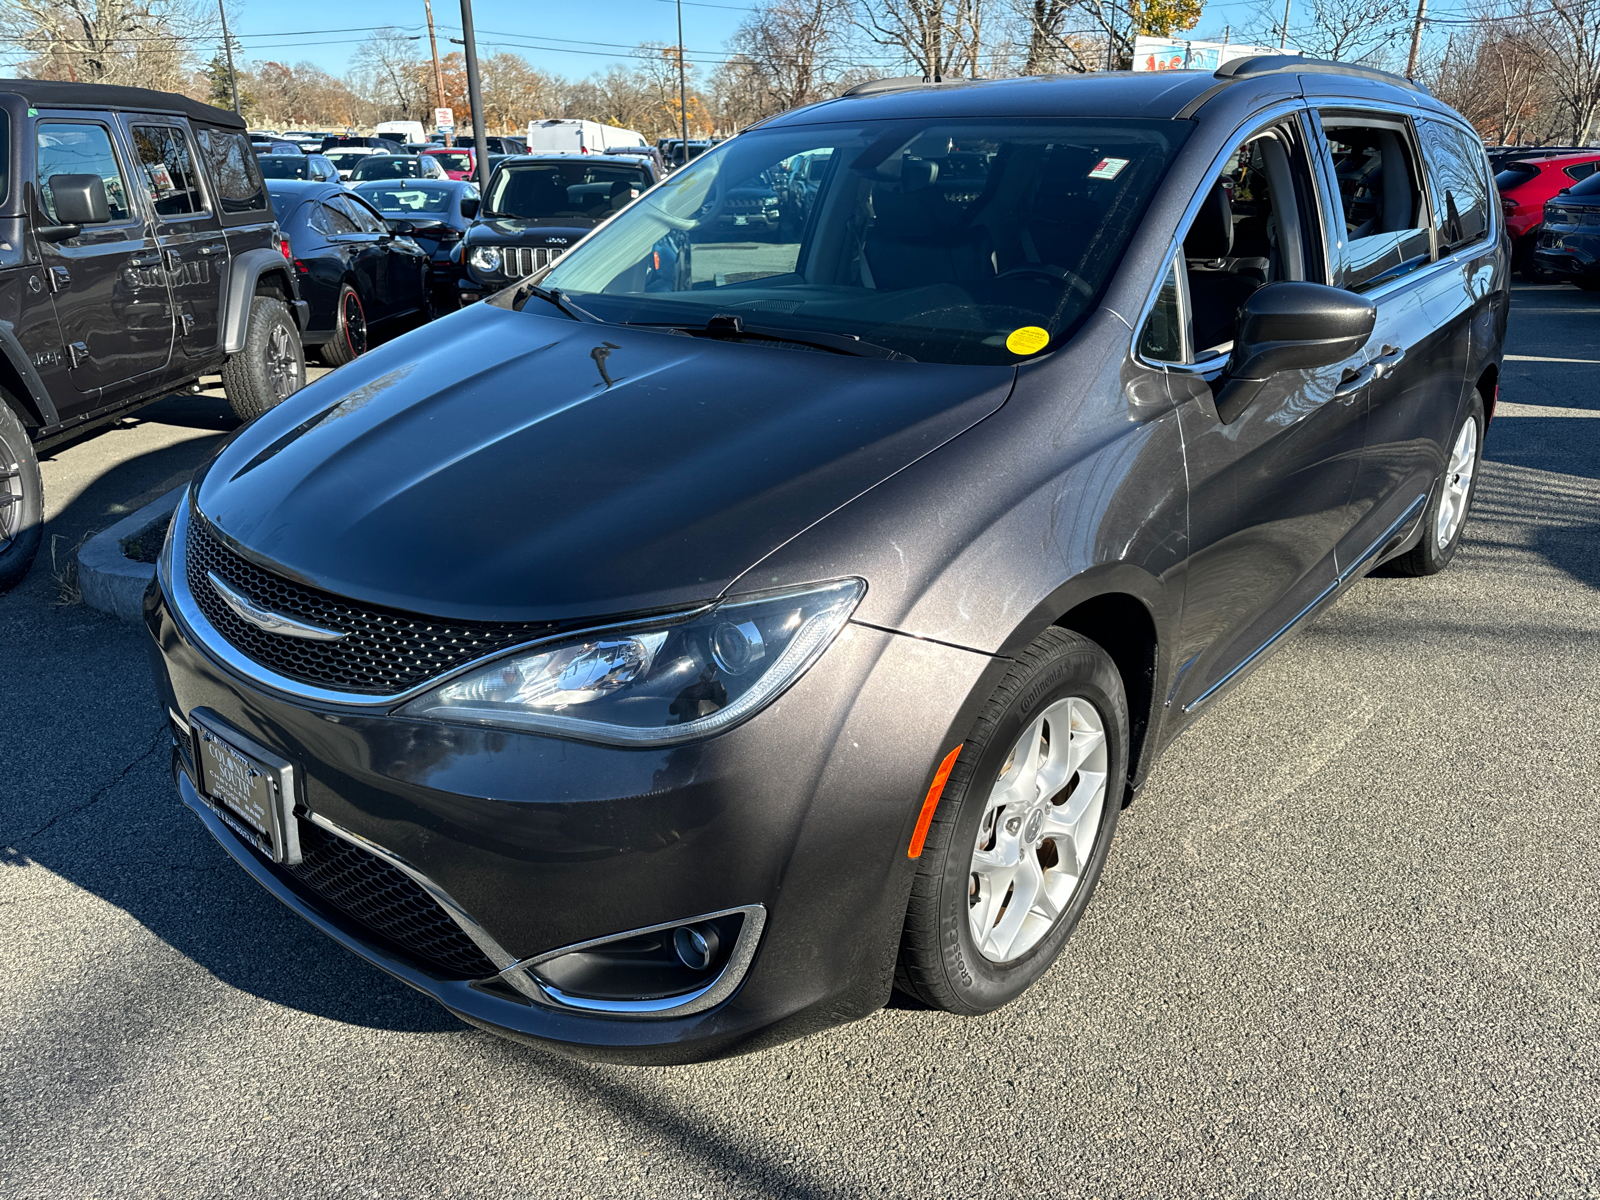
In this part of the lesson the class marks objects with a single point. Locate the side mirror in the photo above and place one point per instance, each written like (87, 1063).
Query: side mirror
(1563, 191)
(79, 200)
(1292, 326)
(469, 208)
(400, 225)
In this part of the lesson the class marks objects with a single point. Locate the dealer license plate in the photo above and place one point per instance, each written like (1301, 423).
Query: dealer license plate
(248, 788)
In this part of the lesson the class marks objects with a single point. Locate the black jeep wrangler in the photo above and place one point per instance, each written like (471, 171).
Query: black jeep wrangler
(138, 252)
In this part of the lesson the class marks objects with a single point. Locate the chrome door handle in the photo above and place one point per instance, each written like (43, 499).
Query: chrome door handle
(145, 260)
(173, 259)
(208, 251)
(1387, 361)
(1353, 380)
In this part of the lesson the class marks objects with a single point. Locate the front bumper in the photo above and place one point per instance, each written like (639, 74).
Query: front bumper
(804, 811)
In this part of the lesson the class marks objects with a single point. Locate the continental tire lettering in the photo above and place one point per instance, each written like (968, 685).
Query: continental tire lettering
(1043, 686)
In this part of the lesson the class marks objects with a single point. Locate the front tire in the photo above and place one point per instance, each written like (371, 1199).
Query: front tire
(350, 336)
(1022, 830)
(271, 366)
(21, 499)
(1446, 514)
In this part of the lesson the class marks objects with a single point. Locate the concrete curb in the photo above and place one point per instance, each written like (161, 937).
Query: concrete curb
(108, 579)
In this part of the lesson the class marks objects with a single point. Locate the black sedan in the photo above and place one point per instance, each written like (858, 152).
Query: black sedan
(315, 167)
(538, 206)
(434, 213)
(357, 273)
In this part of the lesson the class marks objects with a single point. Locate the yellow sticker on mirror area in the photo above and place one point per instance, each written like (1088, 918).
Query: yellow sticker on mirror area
(1030, 339)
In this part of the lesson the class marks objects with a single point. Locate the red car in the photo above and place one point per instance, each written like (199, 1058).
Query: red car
(460, 161)
(1525, 184)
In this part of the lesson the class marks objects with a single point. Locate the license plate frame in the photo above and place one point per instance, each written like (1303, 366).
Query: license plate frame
(248, 786)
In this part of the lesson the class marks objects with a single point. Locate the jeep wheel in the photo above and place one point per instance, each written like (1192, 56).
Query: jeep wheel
(271, 366)
(349, 341)
(21, 499)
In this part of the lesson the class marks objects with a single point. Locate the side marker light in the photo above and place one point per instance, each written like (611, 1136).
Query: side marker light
(925, 819)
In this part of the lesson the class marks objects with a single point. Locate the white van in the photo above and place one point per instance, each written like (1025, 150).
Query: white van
(557, 136)
(402, 131)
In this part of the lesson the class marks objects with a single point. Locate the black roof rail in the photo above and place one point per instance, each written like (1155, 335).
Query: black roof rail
(898, 82)
(1286, 64)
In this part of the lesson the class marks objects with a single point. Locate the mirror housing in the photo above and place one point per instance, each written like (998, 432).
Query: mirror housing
(1292, 326)
(399, 225)
(469, 208)
(79, 200)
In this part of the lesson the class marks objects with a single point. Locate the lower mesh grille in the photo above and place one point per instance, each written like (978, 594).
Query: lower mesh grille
(389, 902)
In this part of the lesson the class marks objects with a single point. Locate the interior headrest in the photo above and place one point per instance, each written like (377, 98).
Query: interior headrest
(1211, 235)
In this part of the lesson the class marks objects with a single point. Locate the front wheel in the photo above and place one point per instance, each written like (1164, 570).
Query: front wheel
(21, 499)
(270, 366)
(1446, 514)
(1022, 830)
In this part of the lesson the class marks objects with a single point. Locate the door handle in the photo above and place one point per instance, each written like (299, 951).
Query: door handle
(208, 251)
(145, 260)
(1387, 361)
(1353, 380)
(59, 279)
(173, 260)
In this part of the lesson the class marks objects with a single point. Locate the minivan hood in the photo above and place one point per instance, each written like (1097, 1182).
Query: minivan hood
(509, 466)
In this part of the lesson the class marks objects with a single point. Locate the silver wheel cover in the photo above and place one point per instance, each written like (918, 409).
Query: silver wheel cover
(1457, 485)
(1037, 830)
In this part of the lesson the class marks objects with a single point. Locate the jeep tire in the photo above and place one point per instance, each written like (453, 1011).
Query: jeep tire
(21, 499)
(270, 366)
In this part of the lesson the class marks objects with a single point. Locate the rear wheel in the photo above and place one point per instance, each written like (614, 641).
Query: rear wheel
(1022, 830)
(349, 341)
(270, 366)
(21, 499)
(1446, 514)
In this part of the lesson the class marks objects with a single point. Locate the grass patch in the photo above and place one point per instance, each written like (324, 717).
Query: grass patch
(145, 546)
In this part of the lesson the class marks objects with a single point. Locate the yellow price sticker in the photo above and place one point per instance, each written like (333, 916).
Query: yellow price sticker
(1030, 339)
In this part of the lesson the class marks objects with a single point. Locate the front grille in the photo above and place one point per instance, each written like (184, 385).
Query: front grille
(525, 260)
(383, 653)
(388, 902)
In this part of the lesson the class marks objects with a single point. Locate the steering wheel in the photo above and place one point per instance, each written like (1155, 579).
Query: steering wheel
(1055, 274)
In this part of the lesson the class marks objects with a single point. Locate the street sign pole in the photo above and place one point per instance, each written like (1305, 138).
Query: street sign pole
(438, 74)
(469, 42)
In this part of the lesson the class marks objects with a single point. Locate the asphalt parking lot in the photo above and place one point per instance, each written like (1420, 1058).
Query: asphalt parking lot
(1344, 945)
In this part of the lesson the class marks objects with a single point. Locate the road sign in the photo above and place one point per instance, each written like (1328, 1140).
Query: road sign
(444, 118)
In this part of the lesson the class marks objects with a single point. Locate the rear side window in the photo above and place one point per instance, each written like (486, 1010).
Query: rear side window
(1513, 175)
(169, 172)
(1581, 170)
(234, 171)
(331, 221)
(79, 148)
(1460, 191)
(1386, 226)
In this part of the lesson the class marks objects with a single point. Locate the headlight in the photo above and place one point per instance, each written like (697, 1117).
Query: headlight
(650, 687)
(485, 258)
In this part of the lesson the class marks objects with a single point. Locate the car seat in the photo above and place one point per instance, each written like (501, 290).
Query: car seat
(917, 237)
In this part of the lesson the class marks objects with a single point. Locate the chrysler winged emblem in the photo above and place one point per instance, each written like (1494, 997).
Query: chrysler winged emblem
(264, 618)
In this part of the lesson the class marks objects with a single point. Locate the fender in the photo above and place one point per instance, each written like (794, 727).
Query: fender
(243, 274)
(34, 396)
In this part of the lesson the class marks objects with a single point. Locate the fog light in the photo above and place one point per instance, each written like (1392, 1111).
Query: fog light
(696, 946)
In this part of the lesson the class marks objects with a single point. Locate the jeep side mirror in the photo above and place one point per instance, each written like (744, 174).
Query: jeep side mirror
(78, 200)
(1291, 326)
(469, 208)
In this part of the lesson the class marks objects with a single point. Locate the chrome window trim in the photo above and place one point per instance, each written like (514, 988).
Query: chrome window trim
(521, 975)
(206, 637)
(1246, 129)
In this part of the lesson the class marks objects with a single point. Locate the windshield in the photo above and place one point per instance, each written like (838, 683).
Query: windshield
(284, 166)
(454, 160)
(408, 198)
(587, 191)
(387, 166)
(348, 160)
(942, 240)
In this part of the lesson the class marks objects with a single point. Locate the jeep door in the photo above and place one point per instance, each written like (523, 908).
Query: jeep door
(110, 292)
(193, 247)
(1270, 486)
(1413, 369)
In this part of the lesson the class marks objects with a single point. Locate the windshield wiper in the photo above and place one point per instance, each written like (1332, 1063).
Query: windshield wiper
(555, 297)
(732, 328)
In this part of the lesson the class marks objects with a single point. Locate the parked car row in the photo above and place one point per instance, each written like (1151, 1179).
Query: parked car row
(1526, 185)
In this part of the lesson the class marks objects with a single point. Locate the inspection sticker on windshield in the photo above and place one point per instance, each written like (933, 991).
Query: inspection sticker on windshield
(1030, 339)
(1108, 168)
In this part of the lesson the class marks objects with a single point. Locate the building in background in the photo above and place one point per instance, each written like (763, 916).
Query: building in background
(1169, 54)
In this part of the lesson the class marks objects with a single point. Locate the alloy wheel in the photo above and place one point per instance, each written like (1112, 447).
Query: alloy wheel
(1038, 829)
(1457, 484)
(355, 324)
(10, 496)
(283, 367)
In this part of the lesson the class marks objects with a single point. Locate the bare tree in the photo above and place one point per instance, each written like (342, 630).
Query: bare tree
(939, 38)
(793, 50)
(388, 71)
(145, 43)
(1572, 32)
(1341, 30)
(1089, 35)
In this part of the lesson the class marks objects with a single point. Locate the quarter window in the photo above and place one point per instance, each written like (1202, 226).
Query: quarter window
(169, 171)
(331, 221)
(1460, 190)
(79, 148)
(234, 170)
(1380, 195)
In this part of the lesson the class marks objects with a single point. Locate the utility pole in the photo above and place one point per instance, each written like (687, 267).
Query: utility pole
(1416, 39)
(1284, 40)
(469, 43)
(683, 89)
(227, 46)
(438, 75)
